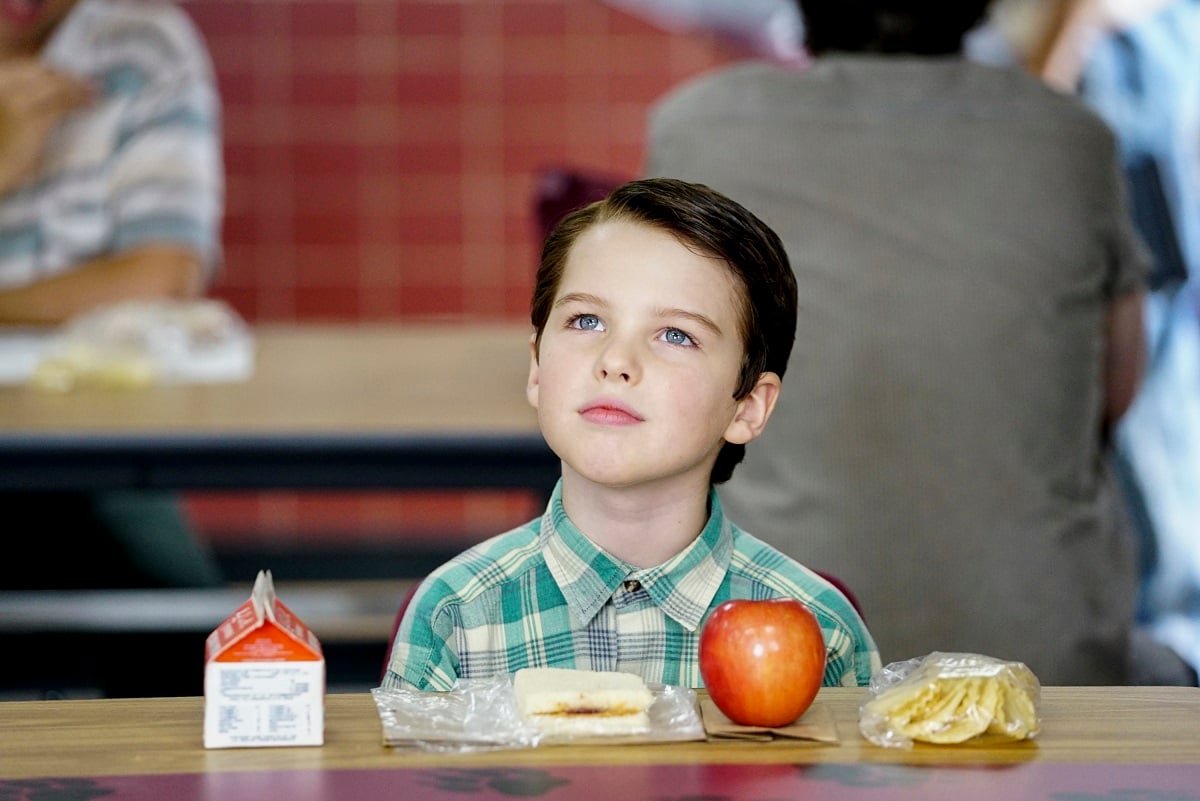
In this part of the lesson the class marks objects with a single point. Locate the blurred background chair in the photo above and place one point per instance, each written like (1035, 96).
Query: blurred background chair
(560, 190)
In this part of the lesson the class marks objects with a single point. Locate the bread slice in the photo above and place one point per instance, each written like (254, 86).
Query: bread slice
(583, 702)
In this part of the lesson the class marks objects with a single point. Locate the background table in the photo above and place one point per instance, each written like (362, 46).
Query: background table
(328, 406)
(342, 407)
(1094, 741)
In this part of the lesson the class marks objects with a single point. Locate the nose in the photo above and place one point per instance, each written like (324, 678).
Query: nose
(618, 361)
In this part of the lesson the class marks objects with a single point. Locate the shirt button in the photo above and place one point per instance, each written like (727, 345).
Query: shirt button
(633, 585)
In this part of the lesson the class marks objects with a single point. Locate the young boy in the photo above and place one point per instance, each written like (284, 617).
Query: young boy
(663, 320)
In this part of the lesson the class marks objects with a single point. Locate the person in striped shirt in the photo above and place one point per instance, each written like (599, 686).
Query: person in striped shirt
(111, 190)
(111, 176)
(663, 320)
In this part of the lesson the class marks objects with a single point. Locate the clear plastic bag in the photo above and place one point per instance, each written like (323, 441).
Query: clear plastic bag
(143, 343)
(477, 715)
(946, 698)
(481, 714)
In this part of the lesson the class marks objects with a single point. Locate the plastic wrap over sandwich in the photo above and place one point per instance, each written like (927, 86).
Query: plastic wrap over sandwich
(579, 702)
(950, 698)
(538, 706)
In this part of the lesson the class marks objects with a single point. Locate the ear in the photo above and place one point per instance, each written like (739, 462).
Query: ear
(531, 386)
(754, 410)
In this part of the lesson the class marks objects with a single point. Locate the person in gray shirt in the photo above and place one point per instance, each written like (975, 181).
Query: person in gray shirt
(970, 332)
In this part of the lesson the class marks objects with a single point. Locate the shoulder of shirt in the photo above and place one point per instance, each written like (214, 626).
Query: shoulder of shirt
(769, 565)
(743, 85)
(761, 563)
(487, 564)
(720, 80)
(95, 29)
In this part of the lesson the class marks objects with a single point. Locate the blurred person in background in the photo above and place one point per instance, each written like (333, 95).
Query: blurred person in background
(111, 189)
(974, 286)
(1137, 63)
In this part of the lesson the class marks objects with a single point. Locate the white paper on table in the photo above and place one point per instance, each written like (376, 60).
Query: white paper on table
(20, 351)
(133, 344)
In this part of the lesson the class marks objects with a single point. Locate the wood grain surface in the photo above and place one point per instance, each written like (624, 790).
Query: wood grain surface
(312, 378)
(163, 735)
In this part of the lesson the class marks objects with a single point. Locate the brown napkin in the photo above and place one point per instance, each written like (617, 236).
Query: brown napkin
(815, 724)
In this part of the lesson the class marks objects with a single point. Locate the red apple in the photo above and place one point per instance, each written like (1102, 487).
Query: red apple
(762, 661)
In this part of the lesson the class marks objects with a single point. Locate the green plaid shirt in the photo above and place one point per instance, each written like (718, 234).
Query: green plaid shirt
(543, 595)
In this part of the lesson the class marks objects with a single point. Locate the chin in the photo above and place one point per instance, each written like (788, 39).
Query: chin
(612, 479)
(604, 473)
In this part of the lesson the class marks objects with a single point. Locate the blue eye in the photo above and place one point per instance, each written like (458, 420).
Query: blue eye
(586, 322)
(676, 337)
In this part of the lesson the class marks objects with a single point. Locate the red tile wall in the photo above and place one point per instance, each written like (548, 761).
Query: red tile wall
(381, 159)
(381, 155)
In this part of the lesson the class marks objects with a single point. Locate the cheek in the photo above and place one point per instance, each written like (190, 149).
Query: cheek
(553, 382)
(696, 402)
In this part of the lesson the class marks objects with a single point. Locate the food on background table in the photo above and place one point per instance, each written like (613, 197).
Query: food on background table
(137, 344)
(561, 701)
(947, 698)
(762, 661)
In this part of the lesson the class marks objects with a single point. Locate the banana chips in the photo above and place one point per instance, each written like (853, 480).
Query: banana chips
(950, 698)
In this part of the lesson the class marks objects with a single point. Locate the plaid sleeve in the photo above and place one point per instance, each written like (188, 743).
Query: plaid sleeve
(422, 655)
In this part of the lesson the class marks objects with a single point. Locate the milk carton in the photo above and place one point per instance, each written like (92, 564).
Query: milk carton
(264, 677)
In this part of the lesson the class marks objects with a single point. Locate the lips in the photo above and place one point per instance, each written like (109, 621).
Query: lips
(609, 412)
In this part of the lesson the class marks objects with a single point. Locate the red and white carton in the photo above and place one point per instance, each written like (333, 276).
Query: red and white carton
(264, 677)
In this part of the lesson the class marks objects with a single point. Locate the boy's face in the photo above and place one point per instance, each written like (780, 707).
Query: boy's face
(639, 360)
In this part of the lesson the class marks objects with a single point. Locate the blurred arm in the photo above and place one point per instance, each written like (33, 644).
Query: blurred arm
(1073, 28)
(148, 272)
(33, 99)
(1125, 358)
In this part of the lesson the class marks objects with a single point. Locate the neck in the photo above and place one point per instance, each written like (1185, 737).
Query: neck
(643, 526)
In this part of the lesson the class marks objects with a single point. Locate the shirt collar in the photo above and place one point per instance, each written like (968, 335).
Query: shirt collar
(588, 576)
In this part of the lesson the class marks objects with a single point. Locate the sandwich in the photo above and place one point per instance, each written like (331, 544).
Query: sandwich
(583, 702)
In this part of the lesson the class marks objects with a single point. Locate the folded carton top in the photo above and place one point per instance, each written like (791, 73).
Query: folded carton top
(262, 629)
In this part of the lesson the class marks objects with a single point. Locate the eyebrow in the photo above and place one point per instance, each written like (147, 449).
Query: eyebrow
(593, 300)
(580, 297)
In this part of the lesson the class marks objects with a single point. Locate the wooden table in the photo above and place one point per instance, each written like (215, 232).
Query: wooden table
(329, 406)
(1094, 741)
